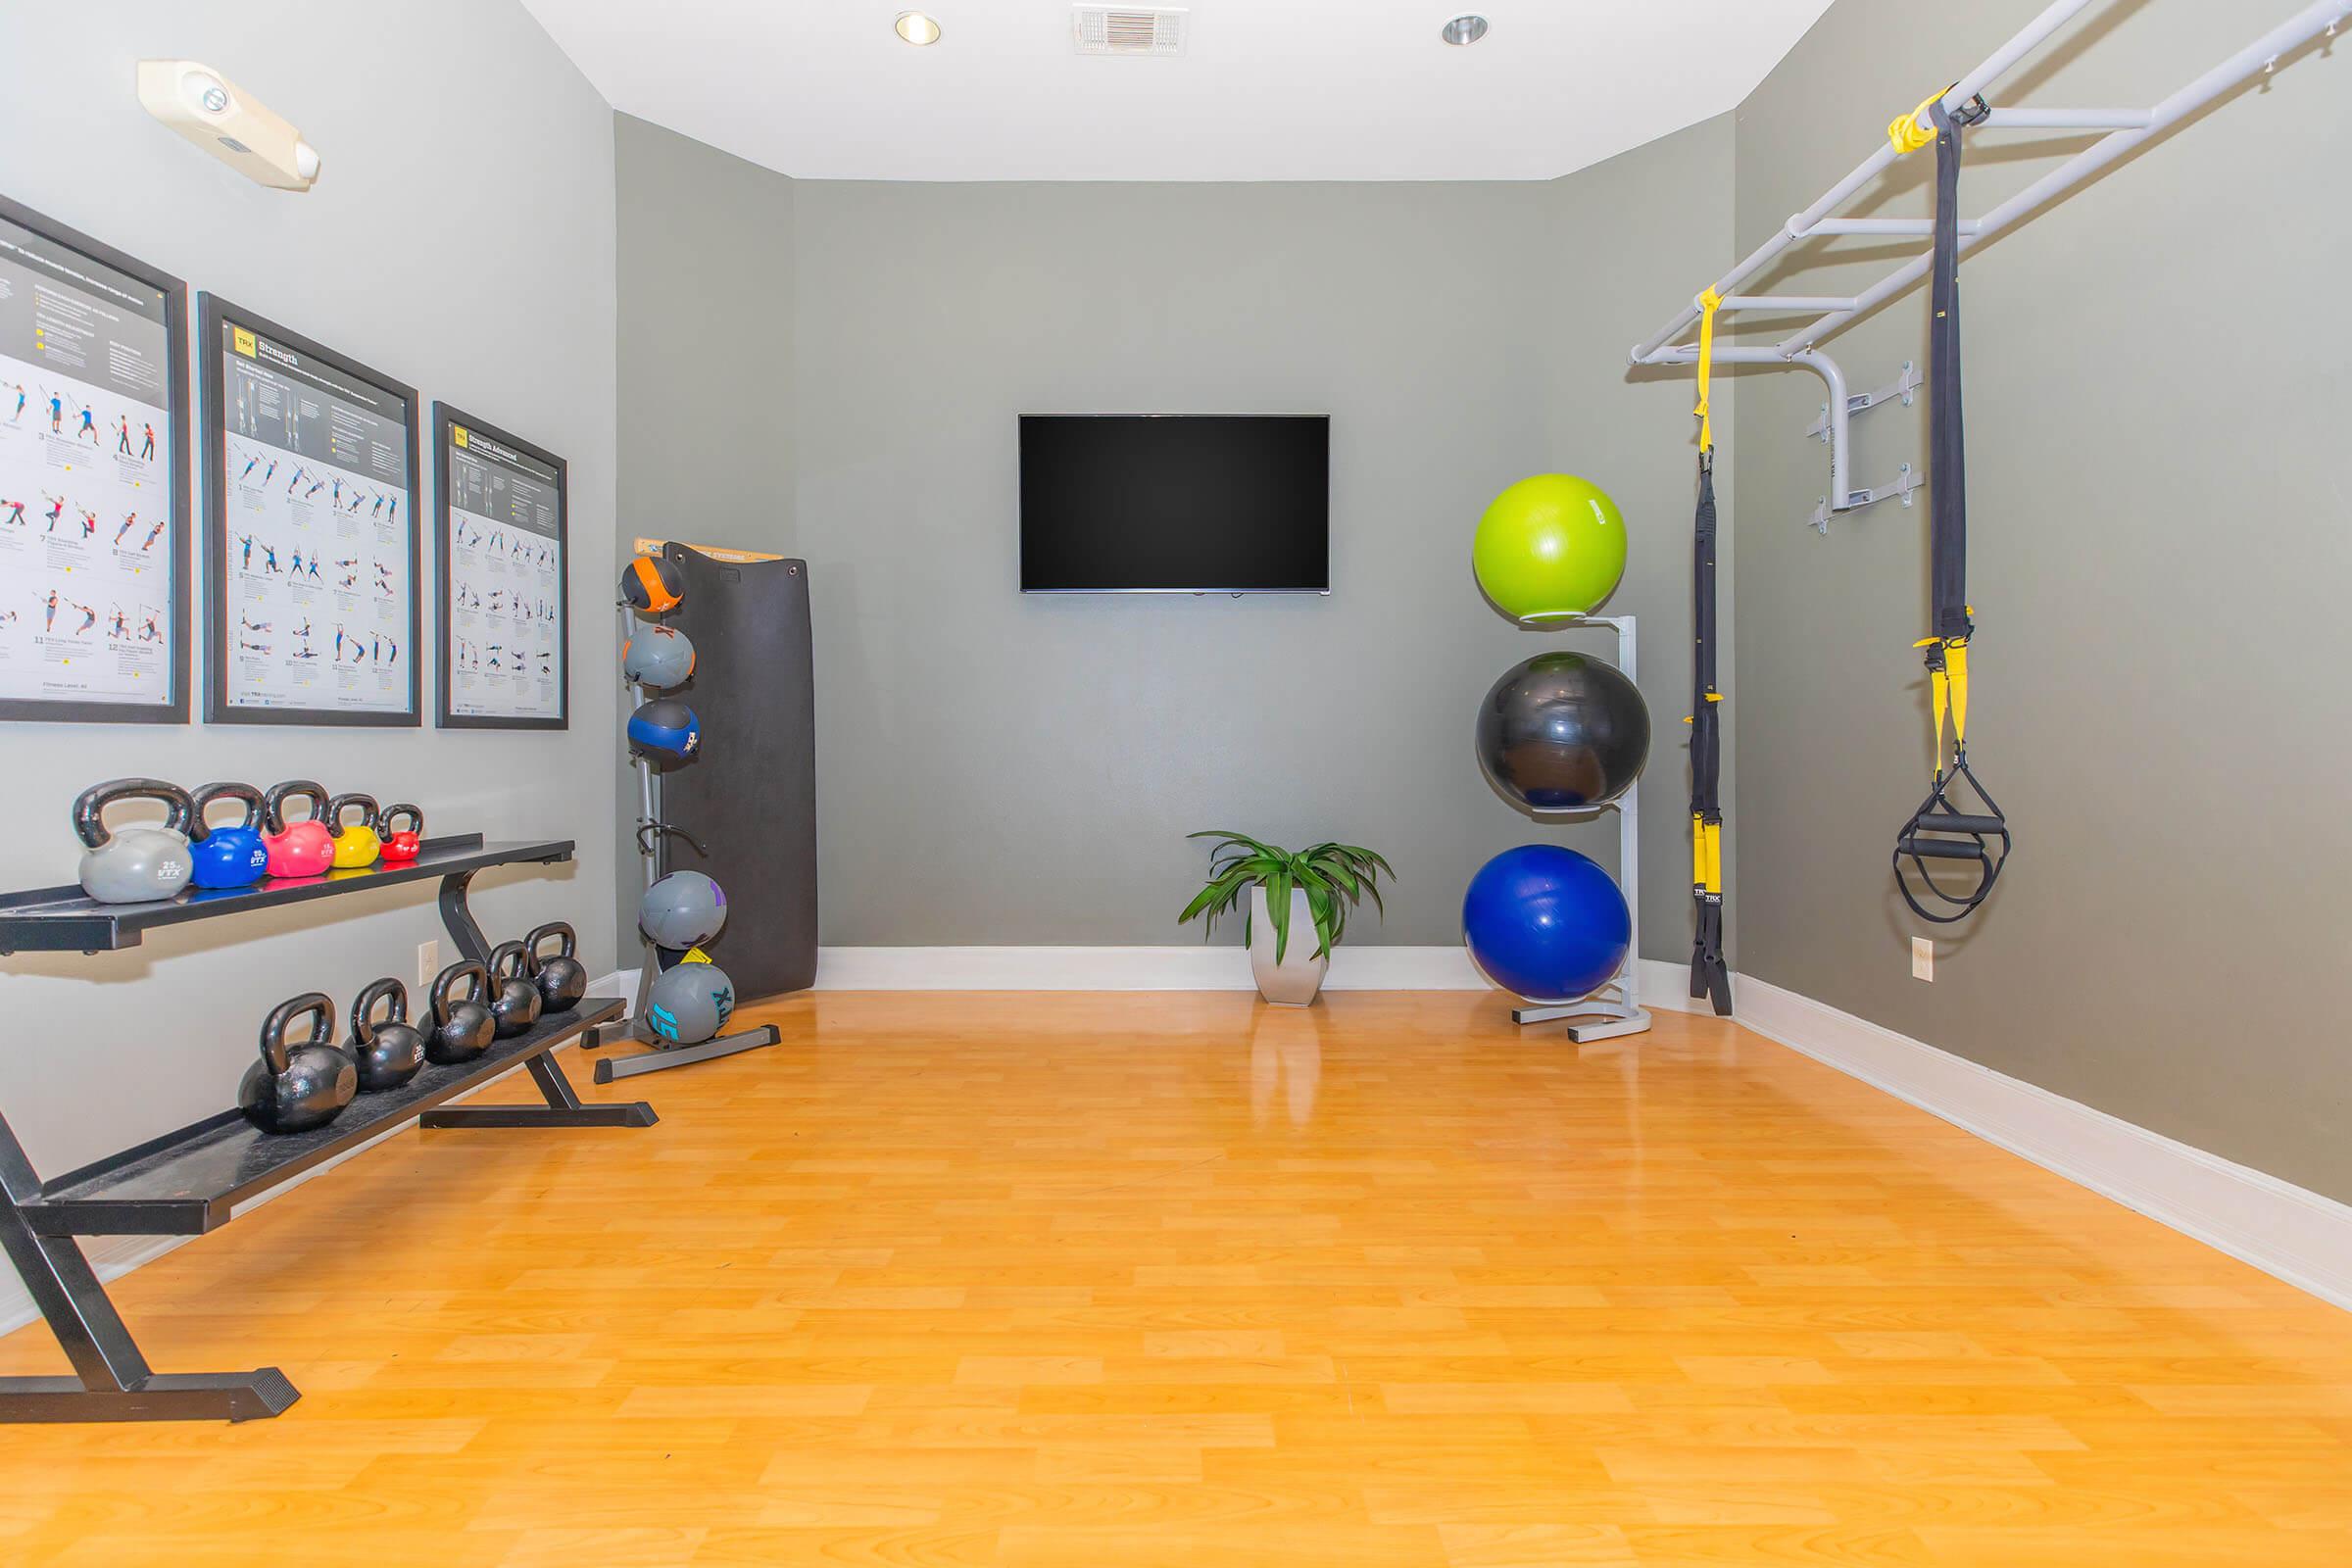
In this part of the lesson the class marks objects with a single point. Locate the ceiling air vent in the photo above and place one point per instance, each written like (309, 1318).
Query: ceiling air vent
(1127, 30)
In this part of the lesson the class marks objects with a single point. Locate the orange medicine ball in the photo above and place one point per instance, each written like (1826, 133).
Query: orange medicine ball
(651, 584)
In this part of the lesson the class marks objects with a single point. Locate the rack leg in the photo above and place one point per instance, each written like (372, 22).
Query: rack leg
(635, 1031)
(564, 1108)
(459, 920)
(111, 1380)
(668, 1055)
(627, 1030)
(1603, 1017)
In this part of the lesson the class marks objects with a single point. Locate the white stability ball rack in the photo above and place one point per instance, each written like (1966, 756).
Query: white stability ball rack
(1615, 1007)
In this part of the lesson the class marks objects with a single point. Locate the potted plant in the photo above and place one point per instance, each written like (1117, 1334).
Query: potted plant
(1316, 886)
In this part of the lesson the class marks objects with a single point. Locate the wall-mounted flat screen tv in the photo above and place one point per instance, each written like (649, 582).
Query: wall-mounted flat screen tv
(1176, 504)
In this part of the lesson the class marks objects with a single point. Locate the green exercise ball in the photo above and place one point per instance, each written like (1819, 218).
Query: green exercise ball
(1550, 546)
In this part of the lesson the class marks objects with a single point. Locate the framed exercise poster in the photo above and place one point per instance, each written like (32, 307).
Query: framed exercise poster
(506, 615)
(312, 607)
(93, 491)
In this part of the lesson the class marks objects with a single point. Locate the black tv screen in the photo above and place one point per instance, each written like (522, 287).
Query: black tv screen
(1196, 503)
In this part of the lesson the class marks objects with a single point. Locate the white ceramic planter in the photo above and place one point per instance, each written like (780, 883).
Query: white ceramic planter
(1293, 982)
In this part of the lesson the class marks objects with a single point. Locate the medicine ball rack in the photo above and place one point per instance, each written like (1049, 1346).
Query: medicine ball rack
(189, 1182)
(1615, 1008)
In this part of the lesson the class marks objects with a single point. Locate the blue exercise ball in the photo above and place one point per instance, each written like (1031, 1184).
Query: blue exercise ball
(1545, 923)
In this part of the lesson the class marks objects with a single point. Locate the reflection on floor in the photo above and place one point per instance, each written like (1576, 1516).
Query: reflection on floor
(1180, 1279)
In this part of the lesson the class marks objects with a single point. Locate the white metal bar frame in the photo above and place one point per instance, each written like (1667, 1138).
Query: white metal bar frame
(1907, 481)
(1862, 173)
(1904, 387)
(1615, 1008)
(2126, 129)
(1839, 411)
(2032, 119)
(2324, 17)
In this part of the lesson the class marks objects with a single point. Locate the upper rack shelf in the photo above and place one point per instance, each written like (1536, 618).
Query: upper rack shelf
(68, 920)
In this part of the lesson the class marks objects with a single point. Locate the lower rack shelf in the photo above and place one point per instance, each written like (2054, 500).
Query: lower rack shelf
(189, 1182)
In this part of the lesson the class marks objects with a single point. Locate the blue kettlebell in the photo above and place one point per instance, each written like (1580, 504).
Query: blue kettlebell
(229, 857)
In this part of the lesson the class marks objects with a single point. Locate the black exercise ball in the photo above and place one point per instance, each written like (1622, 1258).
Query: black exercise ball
(1563, 733)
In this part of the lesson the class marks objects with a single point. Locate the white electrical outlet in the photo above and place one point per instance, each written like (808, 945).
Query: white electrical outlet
(428, 961)
(1923, 958)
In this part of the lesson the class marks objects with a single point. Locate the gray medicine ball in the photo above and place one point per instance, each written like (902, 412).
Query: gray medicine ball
(690, 1003)
(683, 910)
(659, 657)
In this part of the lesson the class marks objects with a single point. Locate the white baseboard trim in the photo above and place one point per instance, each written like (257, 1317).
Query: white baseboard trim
(621, 983)
(2286, 1231)
(1666, 987)
(1353, 969)
(1370, 967)
(110, 1258)
(1185, 967)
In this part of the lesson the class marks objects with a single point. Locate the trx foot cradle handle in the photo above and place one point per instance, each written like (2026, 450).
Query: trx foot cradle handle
(1942, 849)
(1956, 822)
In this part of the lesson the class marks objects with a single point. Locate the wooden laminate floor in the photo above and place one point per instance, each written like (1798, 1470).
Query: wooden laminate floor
(1085, 1281)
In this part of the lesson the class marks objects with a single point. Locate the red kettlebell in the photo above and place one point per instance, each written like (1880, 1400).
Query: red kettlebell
(404, 846)
(297, 849)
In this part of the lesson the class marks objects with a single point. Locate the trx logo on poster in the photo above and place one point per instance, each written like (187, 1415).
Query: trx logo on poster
(457, 433)
(244, 342)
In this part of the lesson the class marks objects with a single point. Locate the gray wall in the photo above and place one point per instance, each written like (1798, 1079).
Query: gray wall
(1000, 769)
(513, 325)
(707, 391)
(2155, 410)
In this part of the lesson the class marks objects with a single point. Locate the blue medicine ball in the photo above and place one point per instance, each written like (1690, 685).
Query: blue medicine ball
(1545, 923)
(666, 728)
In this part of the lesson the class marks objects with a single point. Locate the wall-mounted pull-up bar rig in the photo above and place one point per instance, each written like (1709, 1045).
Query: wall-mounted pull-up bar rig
(2126, 129)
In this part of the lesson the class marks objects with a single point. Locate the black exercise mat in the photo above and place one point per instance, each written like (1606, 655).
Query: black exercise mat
(749, 794)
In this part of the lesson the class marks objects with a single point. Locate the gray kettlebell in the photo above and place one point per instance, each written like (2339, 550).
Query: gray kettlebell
(514, 1000)
(462, 1026)
(562, 980)
(295, 1087)
(389, 1053)
(139, 865)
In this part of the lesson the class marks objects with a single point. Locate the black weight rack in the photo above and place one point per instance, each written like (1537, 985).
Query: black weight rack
(189, 1182)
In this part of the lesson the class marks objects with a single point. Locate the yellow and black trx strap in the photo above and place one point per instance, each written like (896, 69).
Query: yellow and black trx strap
(1977, 837)
(1708, 975)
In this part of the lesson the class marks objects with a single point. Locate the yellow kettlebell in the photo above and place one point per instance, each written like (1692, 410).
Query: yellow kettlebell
(355, 843)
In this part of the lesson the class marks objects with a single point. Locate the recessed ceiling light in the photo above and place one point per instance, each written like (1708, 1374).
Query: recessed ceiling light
(918, 30)
(1463, 29)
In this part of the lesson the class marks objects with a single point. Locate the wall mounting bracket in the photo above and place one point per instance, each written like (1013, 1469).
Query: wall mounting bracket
(1906, 480)
(1904, 386)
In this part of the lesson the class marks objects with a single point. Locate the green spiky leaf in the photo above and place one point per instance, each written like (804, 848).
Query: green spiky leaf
(1332, 875)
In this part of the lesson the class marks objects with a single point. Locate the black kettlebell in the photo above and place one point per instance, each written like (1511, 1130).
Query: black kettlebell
(295, 1087)
(391, 1052)
(562, 980)
(514, 1000)
(461, 1025)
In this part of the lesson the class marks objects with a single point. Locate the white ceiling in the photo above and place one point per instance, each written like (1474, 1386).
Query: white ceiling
(1268, 89)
